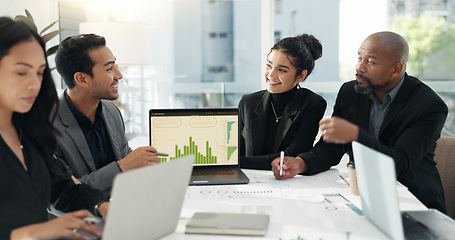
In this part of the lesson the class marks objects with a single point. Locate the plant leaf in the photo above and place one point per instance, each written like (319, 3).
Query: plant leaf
(50, 35)
(27, 22)
(52, 50)
(29, 15)
(48, 26)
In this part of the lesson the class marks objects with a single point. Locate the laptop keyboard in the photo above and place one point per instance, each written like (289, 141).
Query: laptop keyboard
(415, 230)
(205, 172)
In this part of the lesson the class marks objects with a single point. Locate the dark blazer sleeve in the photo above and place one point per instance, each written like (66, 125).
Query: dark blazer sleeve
(299, 137)
(324, 155)
(73, 150)
(68, 196)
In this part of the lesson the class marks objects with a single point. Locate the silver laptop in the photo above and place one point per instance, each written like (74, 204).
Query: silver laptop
(377, 183)
(146, 202)
(211, 135)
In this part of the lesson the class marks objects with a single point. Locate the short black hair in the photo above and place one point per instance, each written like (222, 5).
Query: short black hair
(72, 56)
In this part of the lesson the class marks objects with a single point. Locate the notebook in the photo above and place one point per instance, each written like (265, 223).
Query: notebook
(376, 179)
(146, 202)
(211, 135)
(228, 224)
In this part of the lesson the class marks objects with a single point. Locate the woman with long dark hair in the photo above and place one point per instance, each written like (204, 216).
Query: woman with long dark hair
(30, 177)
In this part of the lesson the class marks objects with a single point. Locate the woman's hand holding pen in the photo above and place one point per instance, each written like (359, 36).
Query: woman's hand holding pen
(291, 167)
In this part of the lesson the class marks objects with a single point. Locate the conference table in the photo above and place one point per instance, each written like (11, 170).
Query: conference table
(305, 207)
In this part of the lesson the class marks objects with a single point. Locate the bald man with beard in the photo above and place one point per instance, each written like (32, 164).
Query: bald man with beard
(387, 110)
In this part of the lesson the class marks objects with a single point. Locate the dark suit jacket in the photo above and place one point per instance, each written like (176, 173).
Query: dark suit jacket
(296, 132)
(408, 134)
(74, 151)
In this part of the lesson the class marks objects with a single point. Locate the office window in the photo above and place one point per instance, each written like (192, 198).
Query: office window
(306, 16)
(277, 36)
(217, 69)
(278, 6)
(201, 52)
(182, 50)
(191, 67)
(429, 28)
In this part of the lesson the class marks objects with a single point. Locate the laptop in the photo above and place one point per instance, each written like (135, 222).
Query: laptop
(146, 202)
(377, 183)
(211, 135)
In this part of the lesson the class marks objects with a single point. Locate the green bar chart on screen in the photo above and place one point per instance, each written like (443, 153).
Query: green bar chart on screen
(210, 140)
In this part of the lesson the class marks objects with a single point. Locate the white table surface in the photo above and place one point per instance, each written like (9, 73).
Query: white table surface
(294, 214)
(295, 207)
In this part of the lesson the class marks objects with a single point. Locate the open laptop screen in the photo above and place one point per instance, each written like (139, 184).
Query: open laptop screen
(211, 135)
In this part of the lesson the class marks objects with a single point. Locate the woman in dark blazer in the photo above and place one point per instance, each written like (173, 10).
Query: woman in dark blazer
(30, 177)
(285, 117)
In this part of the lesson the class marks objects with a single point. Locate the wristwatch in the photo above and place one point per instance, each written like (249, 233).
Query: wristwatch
(97, 206)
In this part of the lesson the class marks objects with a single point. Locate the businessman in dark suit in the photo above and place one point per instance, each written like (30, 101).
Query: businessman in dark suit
(387, 110)
(92, 141)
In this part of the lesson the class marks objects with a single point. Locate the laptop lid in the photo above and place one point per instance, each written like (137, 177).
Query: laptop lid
(376, 179)
(210, 134)
(146, 202)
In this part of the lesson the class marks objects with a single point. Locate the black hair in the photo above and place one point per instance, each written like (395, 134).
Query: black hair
(303, 50)
(72, 56)
(36, 123)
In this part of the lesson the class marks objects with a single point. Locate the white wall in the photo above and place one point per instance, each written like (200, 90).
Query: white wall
(44, 12)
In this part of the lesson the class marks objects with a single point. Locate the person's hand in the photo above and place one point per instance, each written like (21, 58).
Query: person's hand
(291, 167)
(75, 180)
(140, 157)
(103, 209)
(338, 130)
(60, 227)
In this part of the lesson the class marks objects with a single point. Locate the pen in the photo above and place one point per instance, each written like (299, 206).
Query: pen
(281, 162)
(91, 220)
(161, 154)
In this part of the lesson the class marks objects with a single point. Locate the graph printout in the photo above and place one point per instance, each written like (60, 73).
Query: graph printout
(213, 140)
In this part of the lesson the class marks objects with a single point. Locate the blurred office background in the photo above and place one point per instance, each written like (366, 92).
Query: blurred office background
(208, 53)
